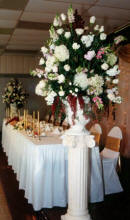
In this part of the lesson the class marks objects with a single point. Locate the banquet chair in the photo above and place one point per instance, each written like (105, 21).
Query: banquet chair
(96, 131)
(110, 157)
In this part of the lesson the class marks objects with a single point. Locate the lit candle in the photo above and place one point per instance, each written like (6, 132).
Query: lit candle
(38, 117)
(24, 118)
(33, 122)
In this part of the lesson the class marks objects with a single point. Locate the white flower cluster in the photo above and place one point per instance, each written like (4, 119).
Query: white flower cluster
(50, 97)
(87, 40)
(113, 71)
(61, 53)
(81, 80)
(96, 82)
(40, 88)
(78, 61)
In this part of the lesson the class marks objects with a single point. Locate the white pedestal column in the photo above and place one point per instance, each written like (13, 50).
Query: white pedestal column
(77, 180)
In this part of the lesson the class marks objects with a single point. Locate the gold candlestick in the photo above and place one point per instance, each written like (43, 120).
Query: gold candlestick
(26, 120)
(33, 123)
(38, 117)
(24, 116)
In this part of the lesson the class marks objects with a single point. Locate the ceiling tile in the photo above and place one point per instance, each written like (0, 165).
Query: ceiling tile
(109, 13)
(27, 42)
(111, 24)
(9, 14)
(37, 17)
(49, 6)
(115, 3)
(13, 4)
(7, 24)
(22, 47)
(30, 33)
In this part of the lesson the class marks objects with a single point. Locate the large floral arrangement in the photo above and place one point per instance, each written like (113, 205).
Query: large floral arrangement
(15, 93)
(78, 63)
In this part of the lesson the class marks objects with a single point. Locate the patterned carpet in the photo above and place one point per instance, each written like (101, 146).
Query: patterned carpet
(4, 209)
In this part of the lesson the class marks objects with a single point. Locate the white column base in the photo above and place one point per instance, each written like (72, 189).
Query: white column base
(70, 217)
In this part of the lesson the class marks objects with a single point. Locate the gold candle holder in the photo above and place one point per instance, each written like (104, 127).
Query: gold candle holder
(24, 119)
(33, 123)
(38, 117)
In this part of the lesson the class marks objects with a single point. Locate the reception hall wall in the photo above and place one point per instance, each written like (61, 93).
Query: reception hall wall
(19, 66)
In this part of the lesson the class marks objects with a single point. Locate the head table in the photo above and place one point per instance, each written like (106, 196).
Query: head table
(41, 168)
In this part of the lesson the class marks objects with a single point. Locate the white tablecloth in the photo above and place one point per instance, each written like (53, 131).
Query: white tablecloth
(41, 168)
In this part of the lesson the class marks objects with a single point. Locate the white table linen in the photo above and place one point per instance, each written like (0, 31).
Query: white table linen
(41, 168)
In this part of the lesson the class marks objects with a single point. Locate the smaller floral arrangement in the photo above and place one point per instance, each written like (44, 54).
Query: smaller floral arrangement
(15, 93)
(19, 125)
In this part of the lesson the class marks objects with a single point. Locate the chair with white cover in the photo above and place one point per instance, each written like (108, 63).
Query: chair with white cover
(110, 156)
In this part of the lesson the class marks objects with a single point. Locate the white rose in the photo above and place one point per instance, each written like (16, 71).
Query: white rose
(96, 28)
(67, 67)
(61, 93)
(79, 31)
(41, 61)
(101, 29)
(67, 35)
(92, 19)
(61, 53)
(103, 36)
(118, 100)
(111, 96)
(115, 81)
(113, 71)
(87, 40)
(104, 66)
(44, 50)
(61, 78)
(50, 61)
(75, 46)
(63, 17)
(60, 31)
(76, 90)
(55, 68)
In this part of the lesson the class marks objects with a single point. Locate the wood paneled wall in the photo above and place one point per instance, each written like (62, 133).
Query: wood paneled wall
(16, 63)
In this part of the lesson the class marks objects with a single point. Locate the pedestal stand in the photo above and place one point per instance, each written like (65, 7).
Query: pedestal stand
(78, 176)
